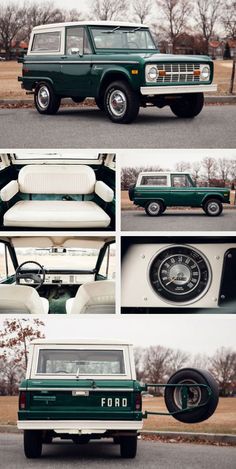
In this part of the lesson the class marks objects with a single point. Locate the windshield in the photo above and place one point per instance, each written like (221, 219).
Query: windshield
(122, 38)
(81, 362)
(60, 258)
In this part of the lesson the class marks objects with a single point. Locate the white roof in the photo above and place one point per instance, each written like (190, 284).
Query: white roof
(79, 342)
(90, 23)
(162, 173)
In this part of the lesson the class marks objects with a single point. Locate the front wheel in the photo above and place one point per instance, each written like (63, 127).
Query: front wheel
(154, 208)
(189, 105)
(121, 103)
(128, 446)
(45, 100)
(33, 443)
(201, 401)
(213, 207)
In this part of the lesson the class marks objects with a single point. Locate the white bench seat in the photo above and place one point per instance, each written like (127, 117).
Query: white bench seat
(56, 213)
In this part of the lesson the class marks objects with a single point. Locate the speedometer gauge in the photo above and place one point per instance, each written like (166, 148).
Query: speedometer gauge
(180, 274)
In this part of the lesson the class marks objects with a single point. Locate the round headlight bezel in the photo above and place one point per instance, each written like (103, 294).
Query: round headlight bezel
(205, 73)
(152, 73)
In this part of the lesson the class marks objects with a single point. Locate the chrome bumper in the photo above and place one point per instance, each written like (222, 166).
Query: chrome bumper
(79, 427)
(181, 89)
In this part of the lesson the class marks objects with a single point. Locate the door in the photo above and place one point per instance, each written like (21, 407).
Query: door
(76, 63)
(182, 192)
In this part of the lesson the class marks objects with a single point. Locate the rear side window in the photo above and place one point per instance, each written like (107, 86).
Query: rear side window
(47, 42)
(160, 181)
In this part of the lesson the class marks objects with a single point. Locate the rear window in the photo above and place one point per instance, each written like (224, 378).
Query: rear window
(154, 181)
(81, 362)
(47, 42)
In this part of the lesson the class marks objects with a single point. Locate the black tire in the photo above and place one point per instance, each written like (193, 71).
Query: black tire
(77, 99)
(128, 446)
(190, 105)
(121, 103)
(154, 208)
(100, 102)
(33, 443)
(198, 396)
(51, 100)
(213, 207)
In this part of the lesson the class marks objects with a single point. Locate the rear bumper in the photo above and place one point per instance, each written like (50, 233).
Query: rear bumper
(78, 427)
(181, 89)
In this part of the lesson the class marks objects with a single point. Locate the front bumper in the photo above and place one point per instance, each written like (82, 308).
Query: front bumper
(180, 89)
(79, 427)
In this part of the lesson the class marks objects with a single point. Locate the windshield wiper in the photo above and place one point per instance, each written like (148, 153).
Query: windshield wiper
(132, 31)
(112, 31)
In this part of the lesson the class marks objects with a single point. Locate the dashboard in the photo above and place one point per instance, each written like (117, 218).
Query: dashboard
(193, 274)
(62, 279)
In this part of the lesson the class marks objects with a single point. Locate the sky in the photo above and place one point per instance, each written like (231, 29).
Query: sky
(195, 334)
(169, 157)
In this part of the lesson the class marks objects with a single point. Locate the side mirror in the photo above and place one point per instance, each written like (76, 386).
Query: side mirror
(74, 51)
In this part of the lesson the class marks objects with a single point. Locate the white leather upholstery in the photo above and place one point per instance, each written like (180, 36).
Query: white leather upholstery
(56, 213)
(104, 191)
(93, 297)
(9, 191)
(56, 179)
(21, 299)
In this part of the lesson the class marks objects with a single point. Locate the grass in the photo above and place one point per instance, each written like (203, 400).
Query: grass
(223, 421)
(10, 88)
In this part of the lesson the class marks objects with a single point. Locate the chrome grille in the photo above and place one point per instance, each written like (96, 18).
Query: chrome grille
(178, 73)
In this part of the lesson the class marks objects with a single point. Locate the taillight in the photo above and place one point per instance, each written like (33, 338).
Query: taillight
(22, 400)
(138, 401)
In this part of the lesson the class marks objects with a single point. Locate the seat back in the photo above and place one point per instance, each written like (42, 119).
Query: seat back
(56, 179)
(93, 297)
(21, 299)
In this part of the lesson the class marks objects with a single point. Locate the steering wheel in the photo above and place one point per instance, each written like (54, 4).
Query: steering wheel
(38, 277)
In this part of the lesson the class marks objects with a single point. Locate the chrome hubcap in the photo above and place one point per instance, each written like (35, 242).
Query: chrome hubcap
(43, 97)
(118, 103)
(194, 394)
(213, 207)
(154, 208)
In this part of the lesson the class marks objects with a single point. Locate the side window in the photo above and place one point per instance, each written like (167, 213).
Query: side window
(77, 41)
(47, 42)
(160, 181)
(108, 267)
(6, 266)
(179, 181)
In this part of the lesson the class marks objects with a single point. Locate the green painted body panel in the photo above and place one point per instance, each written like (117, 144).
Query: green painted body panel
(179, 196)
(54, 400)
(84, 75)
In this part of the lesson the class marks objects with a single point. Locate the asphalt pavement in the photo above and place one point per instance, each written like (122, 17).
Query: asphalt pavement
(151, 454)
(178, 220)
(85, 127)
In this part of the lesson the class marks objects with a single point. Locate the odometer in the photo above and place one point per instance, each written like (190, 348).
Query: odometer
(180, 274)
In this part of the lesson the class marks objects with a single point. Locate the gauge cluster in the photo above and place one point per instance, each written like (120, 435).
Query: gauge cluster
(191, 274)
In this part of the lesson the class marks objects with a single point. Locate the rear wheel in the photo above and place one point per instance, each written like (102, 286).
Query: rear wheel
(128, 446)
(189, 105)
(196, 396)
(33, 443)
(213, 207)
(45, 100)
(121, 103)
(154, 208)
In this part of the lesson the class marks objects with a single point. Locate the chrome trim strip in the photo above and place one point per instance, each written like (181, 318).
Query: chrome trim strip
(155, 90)
(78, 389)
(79, 62)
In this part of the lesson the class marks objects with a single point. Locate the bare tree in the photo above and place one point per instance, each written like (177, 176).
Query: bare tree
(175, 17)
(138, 361)
(73, 15)
(156, 363)
(229, 18)
(182, 166)
(196, 168)
(178, 359)
(142, 9)
(42, 13)
(12, 21)
(109, 9)
(224, 168)
(223, 367)
(210, 166)
(208, 13)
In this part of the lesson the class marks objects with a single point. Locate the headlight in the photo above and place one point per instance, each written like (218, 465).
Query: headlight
(151, 73)
(205, 72)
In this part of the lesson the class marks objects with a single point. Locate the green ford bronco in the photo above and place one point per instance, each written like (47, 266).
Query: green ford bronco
(82, 390)
(155, 191)
(116, 63)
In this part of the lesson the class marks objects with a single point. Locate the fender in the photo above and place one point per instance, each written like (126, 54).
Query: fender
(133, 80)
